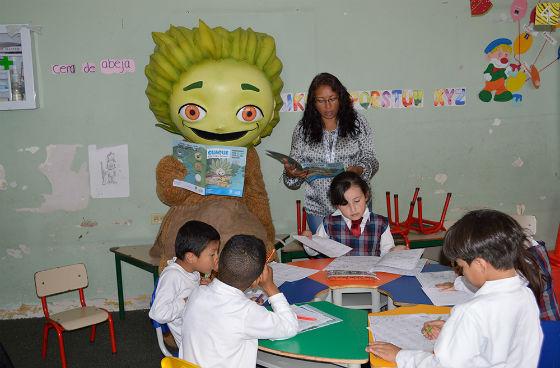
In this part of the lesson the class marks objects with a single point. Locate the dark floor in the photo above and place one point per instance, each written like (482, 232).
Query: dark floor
(136, 344)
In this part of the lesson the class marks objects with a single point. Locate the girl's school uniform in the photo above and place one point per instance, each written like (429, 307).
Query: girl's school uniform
(375, 234)
(499, 327)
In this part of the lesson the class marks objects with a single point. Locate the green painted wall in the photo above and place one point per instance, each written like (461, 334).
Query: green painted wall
(370, 45)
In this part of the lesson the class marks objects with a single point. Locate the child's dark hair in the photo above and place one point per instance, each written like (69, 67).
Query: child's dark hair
(498, 239)
(193, 237)
(342, 182)
(241, 261)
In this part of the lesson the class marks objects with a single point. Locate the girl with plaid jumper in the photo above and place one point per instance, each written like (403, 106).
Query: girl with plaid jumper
(353, 224)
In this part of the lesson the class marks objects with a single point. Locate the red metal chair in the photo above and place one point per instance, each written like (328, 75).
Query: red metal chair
(61, 280)
(397, 227)
(425, 226)
(301, 217)
(411, 223)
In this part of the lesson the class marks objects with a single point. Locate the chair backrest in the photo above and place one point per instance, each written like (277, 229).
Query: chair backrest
(550, 354)
(527, 222)
(61, 279)
(170, 362)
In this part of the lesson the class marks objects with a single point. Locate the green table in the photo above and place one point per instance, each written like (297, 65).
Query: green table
(136, 255)
(339, 343)
(426, 241)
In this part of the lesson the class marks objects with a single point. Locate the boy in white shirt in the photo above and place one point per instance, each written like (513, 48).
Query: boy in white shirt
(500, 326)
(221, 326)
(196, 251)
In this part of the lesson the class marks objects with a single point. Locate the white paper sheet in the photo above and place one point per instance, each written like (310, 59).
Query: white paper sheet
(447, 297)
(328, 247)
(108, 171)
(282, 272)
(431, 279)
(399, 271)
(316, 318)
(404, 259)
(404, 331)
(353, 263)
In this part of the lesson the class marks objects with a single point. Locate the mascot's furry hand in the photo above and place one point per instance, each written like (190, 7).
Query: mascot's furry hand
(168, 169)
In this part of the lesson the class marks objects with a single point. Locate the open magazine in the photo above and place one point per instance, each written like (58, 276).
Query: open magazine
(316, 170)
(217, 170)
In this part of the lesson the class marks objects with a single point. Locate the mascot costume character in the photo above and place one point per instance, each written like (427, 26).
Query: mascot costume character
(214, 87)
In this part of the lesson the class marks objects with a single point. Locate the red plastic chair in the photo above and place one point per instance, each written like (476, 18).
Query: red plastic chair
(61, 280)
(301, 217)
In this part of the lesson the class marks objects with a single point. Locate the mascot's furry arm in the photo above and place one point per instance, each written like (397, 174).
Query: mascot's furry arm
(254, 197)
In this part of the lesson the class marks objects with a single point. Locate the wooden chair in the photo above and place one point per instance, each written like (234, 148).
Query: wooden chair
(171, 362)
(61, 280)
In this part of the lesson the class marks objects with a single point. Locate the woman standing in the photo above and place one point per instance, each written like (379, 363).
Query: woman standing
(330, 131)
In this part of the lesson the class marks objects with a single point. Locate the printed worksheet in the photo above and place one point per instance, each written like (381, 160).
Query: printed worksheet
(431, 279)
(401, 271)
(328, 247)
(310, 318)
(447, 297)
(353, 263)
(404, 259)
(404, 331)
(284, 272)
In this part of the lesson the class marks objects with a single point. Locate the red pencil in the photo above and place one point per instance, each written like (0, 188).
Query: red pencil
(305, 318)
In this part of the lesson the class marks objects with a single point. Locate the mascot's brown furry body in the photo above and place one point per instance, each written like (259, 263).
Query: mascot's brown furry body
(214, 87)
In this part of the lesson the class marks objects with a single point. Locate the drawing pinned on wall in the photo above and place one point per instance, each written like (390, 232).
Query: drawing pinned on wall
(69, 188)
(108, 171)
(547, 14)
(480, 7)
(450, 97)
(388, 99)
(364, 100)
(499, 70)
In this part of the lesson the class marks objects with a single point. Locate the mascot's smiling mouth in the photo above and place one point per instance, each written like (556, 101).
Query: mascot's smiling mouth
(220, 137)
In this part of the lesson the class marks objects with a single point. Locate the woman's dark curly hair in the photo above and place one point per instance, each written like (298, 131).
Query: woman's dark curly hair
(311, 122)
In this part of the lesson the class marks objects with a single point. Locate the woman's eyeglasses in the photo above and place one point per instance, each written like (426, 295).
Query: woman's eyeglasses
(323, 101)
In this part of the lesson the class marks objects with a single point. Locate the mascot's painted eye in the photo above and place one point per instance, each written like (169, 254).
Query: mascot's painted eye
(249, 114)
(192, 112)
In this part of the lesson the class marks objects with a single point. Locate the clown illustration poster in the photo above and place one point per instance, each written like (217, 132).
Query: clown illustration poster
(218, 170)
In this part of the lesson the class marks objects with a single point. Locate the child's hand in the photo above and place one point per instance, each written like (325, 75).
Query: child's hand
(446, 286)
(432, 329)
(384, 350)
(397, 247)
(266, 282)
(307, 233)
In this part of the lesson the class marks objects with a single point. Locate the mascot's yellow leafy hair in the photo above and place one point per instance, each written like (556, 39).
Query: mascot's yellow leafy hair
(214, 87)
(206, 56)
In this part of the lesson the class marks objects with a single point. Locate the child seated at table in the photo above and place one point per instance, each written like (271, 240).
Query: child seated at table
(221, 325)
(353, 224)
(500, 326)
(196, 252)
(546, 301)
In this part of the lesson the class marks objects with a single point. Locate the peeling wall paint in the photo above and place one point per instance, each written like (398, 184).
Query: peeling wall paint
(517, 163)
(3, 182)
(440, 178)
(18, 252)
(70, 189)
(88, 223)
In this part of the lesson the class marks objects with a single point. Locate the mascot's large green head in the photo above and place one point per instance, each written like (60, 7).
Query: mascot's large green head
(213, 86)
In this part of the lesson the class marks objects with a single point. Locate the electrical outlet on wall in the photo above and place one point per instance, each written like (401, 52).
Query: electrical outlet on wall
(156, 218)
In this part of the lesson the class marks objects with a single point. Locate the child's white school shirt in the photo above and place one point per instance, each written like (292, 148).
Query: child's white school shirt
(221, 326)
(385, 243)
(499, 327)
(174, 286)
